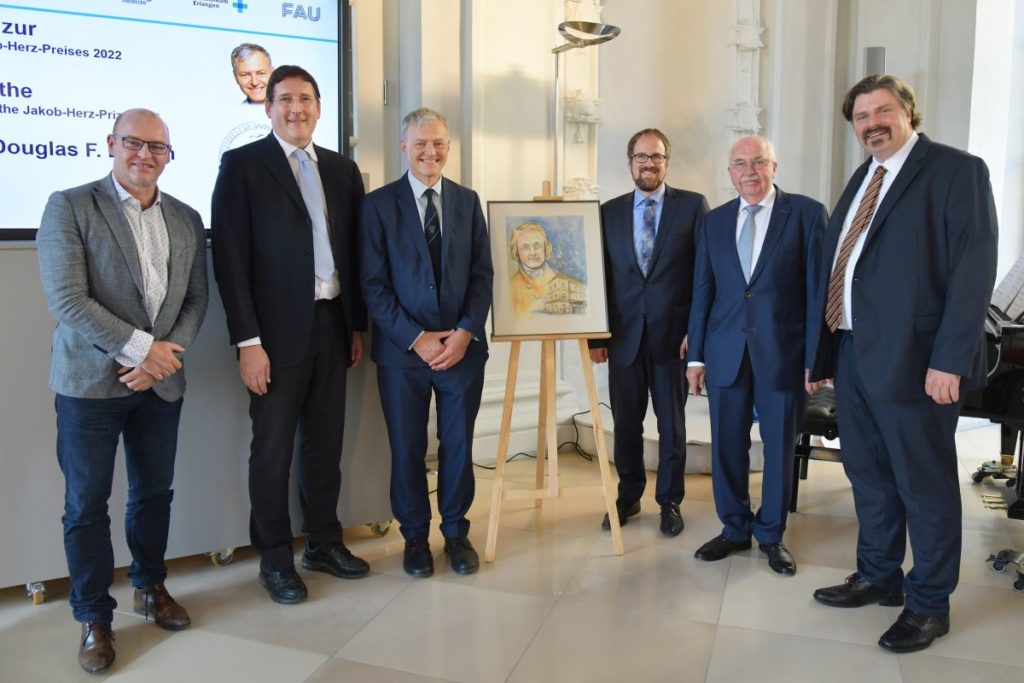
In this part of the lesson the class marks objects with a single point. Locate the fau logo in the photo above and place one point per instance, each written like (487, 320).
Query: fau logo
(308, 12)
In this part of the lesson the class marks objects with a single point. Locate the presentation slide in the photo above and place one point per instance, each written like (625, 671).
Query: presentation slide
(68, 67)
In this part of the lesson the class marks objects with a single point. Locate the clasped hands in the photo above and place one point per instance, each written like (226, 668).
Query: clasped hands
(442, 350)
(159, 364)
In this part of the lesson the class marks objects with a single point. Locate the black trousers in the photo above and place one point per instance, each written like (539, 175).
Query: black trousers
(307, 400)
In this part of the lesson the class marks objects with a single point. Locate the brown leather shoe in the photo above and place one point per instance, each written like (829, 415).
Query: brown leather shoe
(156, 602)
(96, 653)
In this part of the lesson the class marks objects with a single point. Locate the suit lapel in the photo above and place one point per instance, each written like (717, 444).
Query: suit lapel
(838, 218)
(180, 243)
(621, 238)
(410, 222)
(776, 227)
(911, 167)
(110, 207)
(451, 218)
(281, 171)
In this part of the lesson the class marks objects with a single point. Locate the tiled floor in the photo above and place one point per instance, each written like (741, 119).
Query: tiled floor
(558, 605)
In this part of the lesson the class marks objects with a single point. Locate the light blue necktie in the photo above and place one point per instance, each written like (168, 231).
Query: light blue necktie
(309, 186)
(643, 240)
(745, 244)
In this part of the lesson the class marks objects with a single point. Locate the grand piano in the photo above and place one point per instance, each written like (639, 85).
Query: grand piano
(1002, 401)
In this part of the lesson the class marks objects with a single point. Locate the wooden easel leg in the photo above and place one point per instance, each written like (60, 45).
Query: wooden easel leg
(602, 450)
(542, 402)
(499, 465)
(550, 419)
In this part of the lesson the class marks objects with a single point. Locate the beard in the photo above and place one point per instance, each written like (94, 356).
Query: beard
(647, 182)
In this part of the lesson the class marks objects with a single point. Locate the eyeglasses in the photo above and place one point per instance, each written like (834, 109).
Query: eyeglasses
(287, 100)
(658, 159)
(135, 144)
(758, 163)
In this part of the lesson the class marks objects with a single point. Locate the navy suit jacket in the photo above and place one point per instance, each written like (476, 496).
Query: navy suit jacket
(262, 241)
(924, 279)
(771, 316)
(398, 280)
(660, 303)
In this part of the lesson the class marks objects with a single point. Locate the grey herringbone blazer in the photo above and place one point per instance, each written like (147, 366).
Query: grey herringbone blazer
(89, 265)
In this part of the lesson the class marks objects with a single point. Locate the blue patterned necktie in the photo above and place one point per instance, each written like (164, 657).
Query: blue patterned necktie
(745, 244)
(643, 240)
(309, 186)
(432, 233)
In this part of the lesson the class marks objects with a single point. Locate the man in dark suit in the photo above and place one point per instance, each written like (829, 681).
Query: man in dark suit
(285, 215)
(909, 264)
(753, 293)
(649, 237)
(427, 279)
(123, 267)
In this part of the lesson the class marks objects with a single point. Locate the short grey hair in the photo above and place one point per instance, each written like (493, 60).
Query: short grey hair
(246, 50)
(769, 146)
(421, 116)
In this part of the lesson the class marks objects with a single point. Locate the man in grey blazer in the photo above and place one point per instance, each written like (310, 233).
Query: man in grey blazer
(124, 271)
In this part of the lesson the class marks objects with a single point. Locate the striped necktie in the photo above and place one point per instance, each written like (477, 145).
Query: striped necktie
(432, 233)
(861, 221)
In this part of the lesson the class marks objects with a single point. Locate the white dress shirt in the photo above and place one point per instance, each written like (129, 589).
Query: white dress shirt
(761, 220)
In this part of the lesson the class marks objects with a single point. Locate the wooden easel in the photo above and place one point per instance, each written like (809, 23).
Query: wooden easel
(547, 439)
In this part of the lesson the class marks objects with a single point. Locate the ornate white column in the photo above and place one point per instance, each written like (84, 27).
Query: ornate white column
(743, 117)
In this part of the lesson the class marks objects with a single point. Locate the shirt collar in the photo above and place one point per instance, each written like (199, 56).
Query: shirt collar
(894, 163)
(767, 201)
(289, 147)
(419, 188)
(124, 195)
(658, 196)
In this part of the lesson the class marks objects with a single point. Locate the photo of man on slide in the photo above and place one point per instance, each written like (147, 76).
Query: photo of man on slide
(251, 68)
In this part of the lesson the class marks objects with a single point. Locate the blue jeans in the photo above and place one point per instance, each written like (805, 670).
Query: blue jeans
(87, 434)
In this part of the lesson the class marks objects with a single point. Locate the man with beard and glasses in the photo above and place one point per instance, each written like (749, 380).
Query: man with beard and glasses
(753, 295)
(649, 245)
(285, 215)
(911, 258)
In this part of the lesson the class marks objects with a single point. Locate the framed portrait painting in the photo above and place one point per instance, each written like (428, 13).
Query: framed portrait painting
(548, 269)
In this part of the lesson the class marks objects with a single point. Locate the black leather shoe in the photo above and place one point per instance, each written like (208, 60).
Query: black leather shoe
(96, 652)
(156, 602)
(418, 562)
(857, 592)
(285, 587)
(336, 560)
(779, 558)
(626, 509)
(719, 548)
(671, 520)
(464, 559)
(913, 632)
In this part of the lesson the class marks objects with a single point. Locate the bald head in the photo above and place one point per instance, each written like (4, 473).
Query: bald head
(752, 167)
(137, 166)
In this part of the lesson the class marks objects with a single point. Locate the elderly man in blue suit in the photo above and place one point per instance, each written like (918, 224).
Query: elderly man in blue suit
(649, 237)
(753, 293)
(123, 266)
(911, 259)
(427, 280)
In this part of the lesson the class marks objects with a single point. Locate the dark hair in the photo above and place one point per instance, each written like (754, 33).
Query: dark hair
(289, 71)
(894, 84)
(648, 131)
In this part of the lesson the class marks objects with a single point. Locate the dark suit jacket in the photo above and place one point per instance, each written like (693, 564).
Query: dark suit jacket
(398, 281)
(659, 303)
(770, 316)
(263, 246)
(923, 281)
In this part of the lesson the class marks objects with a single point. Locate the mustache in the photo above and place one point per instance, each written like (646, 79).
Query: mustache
(876, 129)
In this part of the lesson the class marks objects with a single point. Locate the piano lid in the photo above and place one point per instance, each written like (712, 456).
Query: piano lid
(1008, 296)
